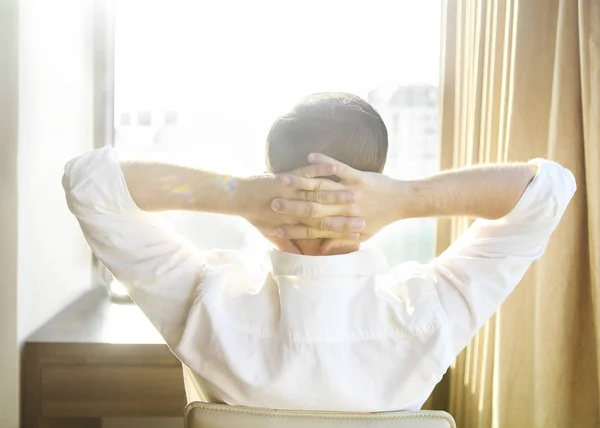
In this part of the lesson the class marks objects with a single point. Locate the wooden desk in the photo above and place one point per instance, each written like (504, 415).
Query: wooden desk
(98, 359)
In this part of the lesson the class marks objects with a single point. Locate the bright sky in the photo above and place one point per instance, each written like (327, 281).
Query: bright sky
(237, 65)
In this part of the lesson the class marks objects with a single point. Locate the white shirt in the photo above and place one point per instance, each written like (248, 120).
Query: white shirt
(338, 333)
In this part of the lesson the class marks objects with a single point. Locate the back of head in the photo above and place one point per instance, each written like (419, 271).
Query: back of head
(342, 126)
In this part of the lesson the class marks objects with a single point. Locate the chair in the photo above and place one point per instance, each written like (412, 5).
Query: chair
(209, 415)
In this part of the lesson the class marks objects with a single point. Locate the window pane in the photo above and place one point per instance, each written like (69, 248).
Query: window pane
(201, 82)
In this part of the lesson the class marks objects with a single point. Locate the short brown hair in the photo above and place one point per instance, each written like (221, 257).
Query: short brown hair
(342, 126)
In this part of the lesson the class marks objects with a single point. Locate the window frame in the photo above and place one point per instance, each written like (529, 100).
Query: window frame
(103, 34)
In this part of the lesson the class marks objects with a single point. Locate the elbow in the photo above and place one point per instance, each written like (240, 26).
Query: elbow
(66, 183)
(564, 188)
(67, 177)
(75, 206)
(562, 179)
(553, 188)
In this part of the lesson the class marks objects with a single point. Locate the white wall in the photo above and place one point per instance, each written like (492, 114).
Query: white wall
(55, 123)
(9, 356)
(46, 117)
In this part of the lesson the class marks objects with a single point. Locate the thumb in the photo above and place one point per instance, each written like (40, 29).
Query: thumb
(343, 171)
(331, 247)
(285, 245)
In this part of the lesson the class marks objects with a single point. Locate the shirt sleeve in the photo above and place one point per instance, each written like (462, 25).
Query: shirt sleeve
(484, 265)
(160, 270)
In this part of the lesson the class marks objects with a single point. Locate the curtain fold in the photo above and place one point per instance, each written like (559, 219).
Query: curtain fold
(521, 79)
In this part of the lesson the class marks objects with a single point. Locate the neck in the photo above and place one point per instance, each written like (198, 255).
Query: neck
(309, 247)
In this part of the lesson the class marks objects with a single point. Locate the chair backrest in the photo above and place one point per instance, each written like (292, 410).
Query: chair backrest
(209, 415)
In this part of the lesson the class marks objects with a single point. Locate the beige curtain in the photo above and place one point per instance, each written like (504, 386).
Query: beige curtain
(521, 79)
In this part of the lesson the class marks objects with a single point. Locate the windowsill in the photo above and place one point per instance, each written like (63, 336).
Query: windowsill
(94, 318)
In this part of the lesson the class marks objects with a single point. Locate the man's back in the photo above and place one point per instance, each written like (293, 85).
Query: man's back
(320, 333)
(340, 333)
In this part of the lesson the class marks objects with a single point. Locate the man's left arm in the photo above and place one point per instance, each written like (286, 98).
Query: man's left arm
(161, 270)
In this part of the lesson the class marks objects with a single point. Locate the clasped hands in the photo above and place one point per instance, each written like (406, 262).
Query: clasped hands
(308, 204)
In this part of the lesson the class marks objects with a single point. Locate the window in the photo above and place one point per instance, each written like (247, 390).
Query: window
(202, 82)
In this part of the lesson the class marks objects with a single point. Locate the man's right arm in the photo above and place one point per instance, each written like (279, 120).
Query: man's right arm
(483, 191)
(474, 276)
(519, 206)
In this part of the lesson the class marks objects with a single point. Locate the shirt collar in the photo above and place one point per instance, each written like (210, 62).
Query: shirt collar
(363, 262)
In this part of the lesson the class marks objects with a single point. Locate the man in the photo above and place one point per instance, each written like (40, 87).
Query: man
(313, 331)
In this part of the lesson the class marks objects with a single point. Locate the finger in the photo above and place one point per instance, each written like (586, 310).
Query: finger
(331, 247)
(312, 184)
(316, 169)
(320, 190)
(328, 197)
(300, 231)
(342, 224)
(303, 209)
(342, 170)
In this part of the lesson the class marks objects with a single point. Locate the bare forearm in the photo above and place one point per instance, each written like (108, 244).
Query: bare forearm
(485, 191)
(156, 186)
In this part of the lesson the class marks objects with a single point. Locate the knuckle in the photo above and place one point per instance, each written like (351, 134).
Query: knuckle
(335, 198)
(311, 209)
(304, 183)
(342, 197)
(326, 224)
(353, 210)
(293, 181)
(315, 223)
(288, 232)
(344, 224)
(339, 224)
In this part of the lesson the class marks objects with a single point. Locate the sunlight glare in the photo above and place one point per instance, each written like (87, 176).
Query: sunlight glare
(233, 66)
